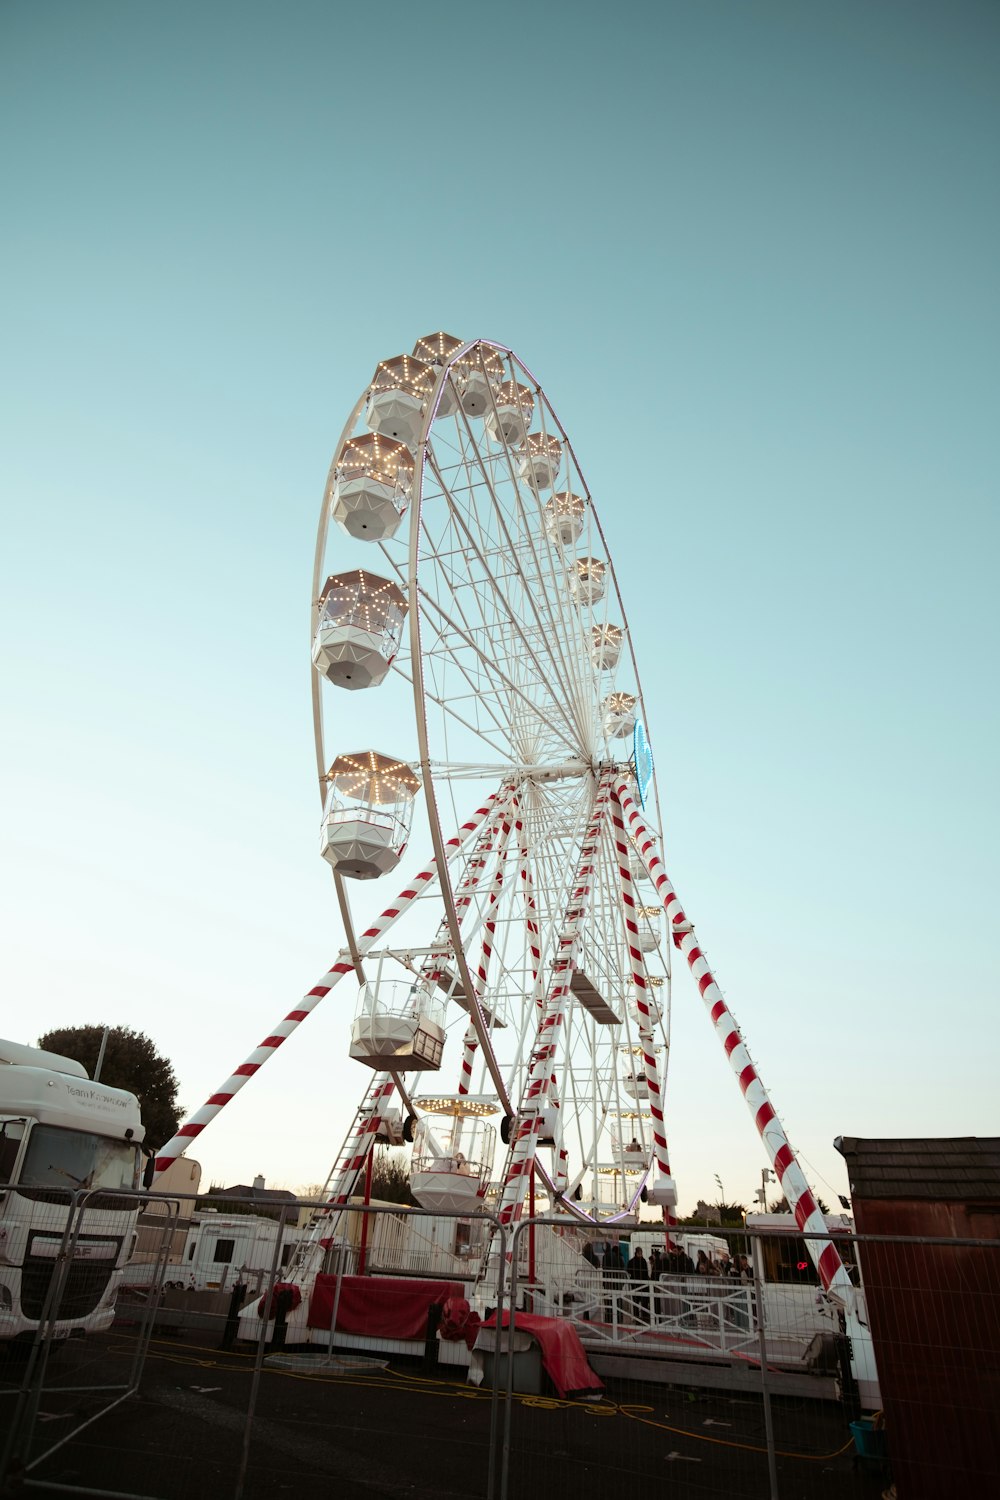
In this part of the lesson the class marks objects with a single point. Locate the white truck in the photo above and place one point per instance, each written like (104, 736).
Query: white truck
(69, 1154)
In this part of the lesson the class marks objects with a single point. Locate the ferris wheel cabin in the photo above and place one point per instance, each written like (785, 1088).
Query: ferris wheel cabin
(587, 581)
(453, 1149)
(359, 630)
(508, 421)
(649, 928)
(436, 349)
(367, 814)
(397, 398)
(541, 456)
(619, 715)
(398, 1026)
(605, 645)
(564, 517)
(372, 481)
(479, 376)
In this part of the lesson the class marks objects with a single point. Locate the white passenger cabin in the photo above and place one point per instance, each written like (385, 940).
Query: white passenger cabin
(507, 421)
(359, 629)
(453, 1149)
(435, 349)
(605, 644)
(478, 375)
(366, 819)
(540, 458)
(372, 481)
(587, 581)
(397, 399)
(398, 1026)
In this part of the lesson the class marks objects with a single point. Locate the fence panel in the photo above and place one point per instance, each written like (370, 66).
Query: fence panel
(65, 1365)
(252, 1354)
(379, 1376)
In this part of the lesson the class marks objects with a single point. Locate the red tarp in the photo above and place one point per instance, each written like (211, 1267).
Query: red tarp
(563, 1356)
(388, 1306)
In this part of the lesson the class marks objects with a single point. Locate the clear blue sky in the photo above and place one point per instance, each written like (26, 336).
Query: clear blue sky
(751, 250)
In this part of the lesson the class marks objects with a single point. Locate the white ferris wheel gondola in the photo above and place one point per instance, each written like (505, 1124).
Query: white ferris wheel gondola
(435, 349)
(372, 479)
(564, 515)
(366, 814)
(359, 629)
(398, 397)
(541, 456)
(507, 422)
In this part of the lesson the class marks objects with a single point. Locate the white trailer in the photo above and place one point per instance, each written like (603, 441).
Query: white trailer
(224, 1249)
(212, 1251)
(69, 1157)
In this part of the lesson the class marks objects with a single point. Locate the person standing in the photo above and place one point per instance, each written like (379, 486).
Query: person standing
(638, 1271)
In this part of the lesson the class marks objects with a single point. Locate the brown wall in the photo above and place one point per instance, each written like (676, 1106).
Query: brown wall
(935, 1316)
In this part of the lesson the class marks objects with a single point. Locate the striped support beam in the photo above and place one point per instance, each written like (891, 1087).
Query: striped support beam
(193, 1127)
(481, 976)
(810, 1220)
(557, 1183)
(542, 1064)
(630, 908)
(357, 1148)
(531, 915)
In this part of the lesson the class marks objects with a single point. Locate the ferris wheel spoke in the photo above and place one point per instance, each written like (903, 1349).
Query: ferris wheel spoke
(464, 632)
(543, 670)
(539, 589)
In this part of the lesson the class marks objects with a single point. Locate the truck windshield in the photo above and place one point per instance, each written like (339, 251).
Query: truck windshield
(58, 1158)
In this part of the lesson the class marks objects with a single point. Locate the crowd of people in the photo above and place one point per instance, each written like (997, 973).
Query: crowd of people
(634, 1272)
(668, 1262)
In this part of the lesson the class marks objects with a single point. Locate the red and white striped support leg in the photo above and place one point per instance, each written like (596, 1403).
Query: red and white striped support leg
(543, 1057)
(481, 976)
(793, 1180)
(641, 991)
(531, 916)
(470, 1042)
(357, 1149)
(202, 1117)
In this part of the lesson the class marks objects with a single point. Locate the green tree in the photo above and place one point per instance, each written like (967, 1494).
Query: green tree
(390, 1178)
(782, 1206)
(131, 1062)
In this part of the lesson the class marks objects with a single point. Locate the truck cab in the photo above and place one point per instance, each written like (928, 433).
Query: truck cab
(69, 1169)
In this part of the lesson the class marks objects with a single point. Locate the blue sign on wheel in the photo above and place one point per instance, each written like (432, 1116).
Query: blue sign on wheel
(642, 757)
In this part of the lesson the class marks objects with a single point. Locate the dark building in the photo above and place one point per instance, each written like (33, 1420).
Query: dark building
(934, 1308)
(250, 1199)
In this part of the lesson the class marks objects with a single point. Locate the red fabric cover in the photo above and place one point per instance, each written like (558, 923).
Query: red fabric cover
(458, 1321)
(390, 1306)
(563, 1357)
(263, 1311)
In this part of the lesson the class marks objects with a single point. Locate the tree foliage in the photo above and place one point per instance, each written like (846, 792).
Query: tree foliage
(131, 1062)
(782, 1206)
(390, 1178)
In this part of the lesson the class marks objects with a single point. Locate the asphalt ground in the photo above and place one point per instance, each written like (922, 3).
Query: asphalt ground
(402, 1431)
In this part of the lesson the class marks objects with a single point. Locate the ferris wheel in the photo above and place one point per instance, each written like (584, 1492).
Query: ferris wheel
(482, 740)
(520, 1028)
